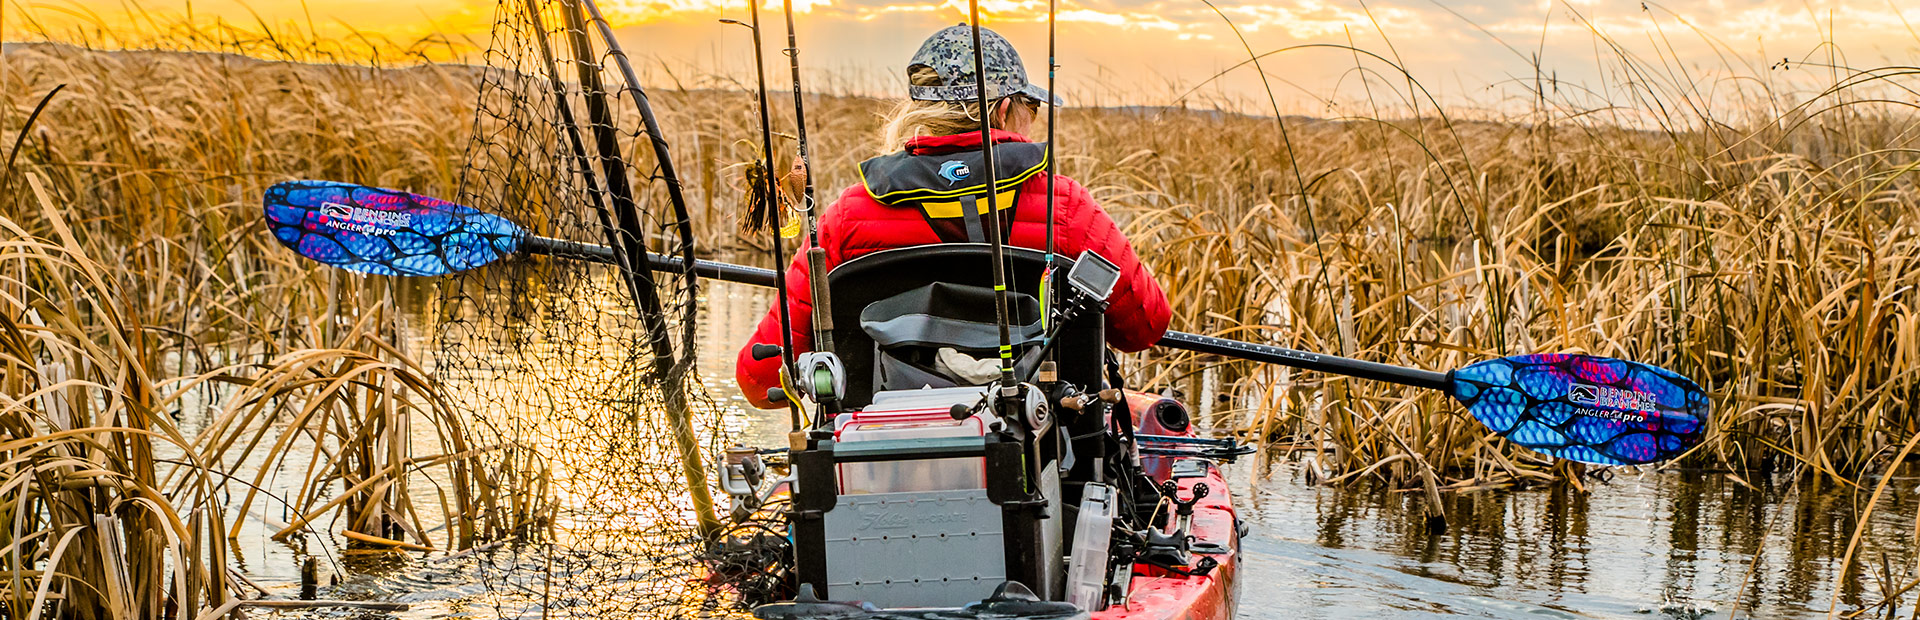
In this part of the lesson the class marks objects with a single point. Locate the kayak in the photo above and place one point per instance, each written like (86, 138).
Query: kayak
(994, 491)
(929, 495)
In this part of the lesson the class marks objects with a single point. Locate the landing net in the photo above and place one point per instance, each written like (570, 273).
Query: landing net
(581, 363)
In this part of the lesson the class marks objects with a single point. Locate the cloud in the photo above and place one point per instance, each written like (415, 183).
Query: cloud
(1469, 50)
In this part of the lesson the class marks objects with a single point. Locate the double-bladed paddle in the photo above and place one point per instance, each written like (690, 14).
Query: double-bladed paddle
(1577, 407)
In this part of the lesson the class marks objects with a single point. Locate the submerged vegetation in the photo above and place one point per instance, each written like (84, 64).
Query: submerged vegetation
(161, 356)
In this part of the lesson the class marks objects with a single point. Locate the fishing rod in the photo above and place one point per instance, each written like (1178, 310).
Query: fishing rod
(770, 198)
(1578, 407)
(1053, 65)
(820, 370)
(1009, 386)
(1049, 370)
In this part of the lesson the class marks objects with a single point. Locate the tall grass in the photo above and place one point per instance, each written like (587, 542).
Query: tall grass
(95, 531)
(1773, 261)
(1759, 242)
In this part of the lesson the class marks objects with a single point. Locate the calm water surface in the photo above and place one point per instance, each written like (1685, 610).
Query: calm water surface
(1654, 545)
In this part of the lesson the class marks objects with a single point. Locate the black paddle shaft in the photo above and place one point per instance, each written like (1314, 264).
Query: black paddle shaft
(594, 253)
(1238, 349)
(1335, 364)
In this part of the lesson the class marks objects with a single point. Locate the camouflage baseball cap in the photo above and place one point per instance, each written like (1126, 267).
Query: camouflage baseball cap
(949, 53)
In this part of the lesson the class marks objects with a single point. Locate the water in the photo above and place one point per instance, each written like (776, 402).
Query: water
(1653, 545)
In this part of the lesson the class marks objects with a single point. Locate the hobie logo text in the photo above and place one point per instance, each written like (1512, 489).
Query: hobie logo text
(363, 220)
(888, 520)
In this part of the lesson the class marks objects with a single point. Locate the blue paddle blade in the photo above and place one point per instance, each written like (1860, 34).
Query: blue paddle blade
(1582, 408)
(384, 231)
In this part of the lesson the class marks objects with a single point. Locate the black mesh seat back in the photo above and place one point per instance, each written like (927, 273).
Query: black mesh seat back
(859, 283)
(912, 329)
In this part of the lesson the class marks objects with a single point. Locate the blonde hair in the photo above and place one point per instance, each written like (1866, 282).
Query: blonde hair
(926, 118)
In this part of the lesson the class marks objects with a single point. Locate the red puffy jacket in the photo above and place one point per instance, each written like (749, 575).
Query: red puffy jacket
(857, 225)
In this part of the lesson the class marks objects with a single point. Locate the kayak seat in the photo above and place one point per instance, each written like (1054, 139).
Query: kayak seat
(923, 316)
(943, 335)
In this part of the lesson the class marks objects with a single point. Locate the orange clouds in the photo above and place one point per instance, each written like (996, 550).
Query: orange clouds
(1144, 51)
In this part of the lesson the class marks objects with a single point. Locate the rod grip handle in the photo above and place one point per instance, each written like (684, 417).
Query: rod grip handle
(822, 302)
(764, 352)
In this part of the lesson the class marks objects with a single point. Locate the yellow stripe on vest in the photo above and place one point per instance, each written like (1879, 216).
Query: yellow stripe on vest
(945, 210)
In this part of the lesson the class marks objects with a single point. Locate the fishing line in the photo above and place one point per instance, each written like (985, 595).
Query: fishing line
(1053, 66)
(1299, 180)
(800, 129)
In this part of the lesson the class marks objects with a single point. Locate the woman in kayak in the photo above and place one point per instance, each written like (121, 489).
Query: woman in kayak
(905, 198)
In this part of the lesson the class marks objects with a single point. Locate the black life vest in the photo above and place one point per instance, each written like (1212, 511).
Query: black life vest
(949, 190)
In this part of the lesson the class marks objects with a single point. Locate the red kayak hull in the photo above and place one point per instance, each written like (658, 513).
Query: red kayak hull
(1160, 595)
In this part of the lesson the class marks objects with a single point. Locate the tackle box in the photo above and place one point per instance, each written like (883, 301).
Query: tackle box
(906, 415)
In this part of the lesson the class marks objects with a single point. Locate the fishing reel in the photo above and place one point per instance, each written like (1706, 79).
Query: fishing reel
(741, 475)
(821, 375)
(1026, 407)
(817, 374)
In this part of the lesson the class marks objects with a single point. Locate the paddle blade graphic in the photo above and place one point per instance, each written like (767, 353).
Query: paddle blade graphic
(1590, 409)
(383, 231)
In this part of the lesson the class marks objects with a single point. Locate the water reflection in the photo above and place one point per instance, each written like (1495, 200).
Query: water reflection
(1632, 546)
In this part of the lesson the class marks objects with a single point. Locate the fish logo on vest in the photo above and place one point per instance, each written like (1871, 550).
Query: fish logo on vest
(954, 171)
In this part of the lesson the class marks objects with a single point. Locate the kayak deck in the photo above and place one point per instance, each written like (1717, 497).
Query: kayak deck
(1157, 593)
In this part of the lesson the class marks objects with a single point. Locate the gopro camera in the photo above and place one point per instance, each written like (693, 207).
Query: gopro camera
(1093, 275)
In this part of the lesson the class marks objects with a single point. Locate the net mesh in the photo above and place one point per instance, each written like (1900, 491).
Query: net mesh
(590, 367)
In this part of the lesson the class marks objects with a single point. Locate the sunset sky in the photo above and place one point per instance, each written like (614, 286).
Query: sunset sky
(1149, 51)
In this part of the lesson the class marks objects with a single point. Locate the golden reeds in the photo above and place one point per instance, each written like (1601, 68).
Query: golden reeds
(1773, 263)
(1769, 251)
(96, 530)
(138, 290)
(1778, 270)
